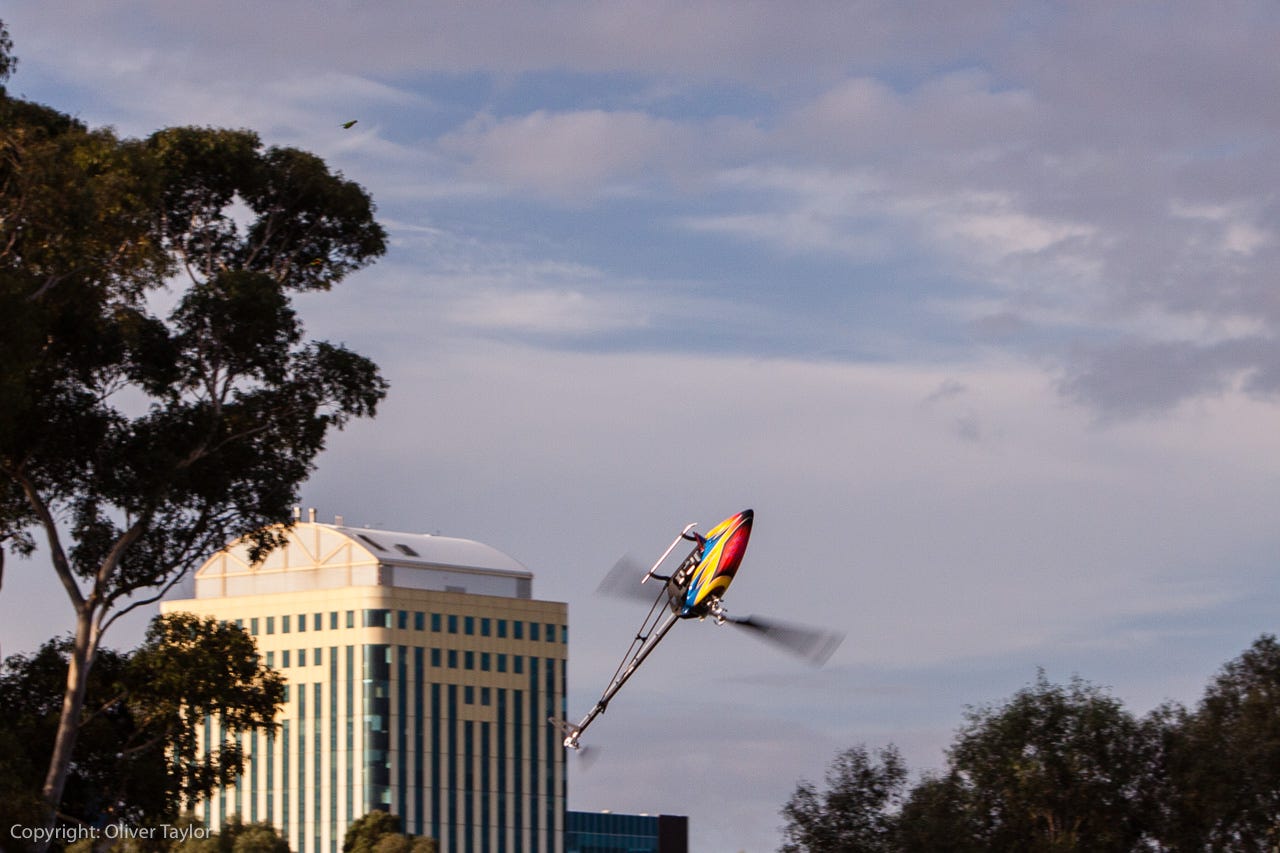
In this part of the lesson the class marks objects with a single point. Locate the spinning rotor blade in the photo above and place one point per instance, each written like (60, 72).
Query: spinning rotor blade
(812, 644)
(587, 756)
(623, 581)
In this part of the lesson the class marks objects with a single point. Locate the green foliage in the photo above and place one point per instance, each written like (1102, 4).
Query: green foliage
(7, 60)
(1067, 768)
(855, 811)
(939, 815)
(379, 832)
(1217, 777)
(136, 757)
(1055, 768)
(237, 837)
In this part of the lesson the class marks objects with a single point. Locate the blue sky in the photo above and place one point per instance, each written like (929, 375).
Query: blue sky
(974, 304)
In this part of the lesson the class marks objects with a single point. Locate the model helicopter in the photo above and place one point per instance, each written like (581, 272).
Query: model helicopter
(695, 590)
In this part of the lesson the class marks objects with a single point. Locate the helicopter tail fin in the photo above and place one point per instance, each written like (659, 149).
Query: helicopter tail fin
(570, 732)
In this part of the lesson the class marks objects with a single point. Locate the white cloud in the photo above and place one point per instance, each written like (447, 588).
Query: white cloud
(568, 155)
(551, 312)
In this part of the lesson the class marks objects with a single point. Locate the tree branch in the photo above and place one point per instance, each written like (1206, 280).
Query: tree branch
(105, 705)
(61, 565)
(134, 605)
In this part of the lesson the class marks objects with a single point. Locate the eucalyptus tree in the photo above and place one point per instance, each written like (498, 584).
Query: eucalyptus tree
(135, 439)
(138, 756)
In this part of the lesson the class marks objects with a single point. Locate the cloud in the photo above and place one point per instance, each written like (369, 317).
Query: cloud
(583, 155)
(963, 117)
(1144, 378)
(757, 40)
(565, 154)
(556, 312)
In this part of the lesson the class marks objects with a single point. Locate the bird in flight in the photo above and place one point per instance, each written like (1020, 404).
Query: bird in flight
(347, 125)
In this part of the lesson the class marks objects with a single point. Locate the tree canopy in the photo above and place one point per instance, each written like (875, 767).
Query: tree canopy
(158, 394)
(855, 810)
(1068, 768)
(136, 755)
(379, 832)
(7, 59)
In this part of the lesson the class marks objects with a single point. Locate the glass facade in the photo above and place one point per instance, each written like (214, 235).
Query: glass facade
(605, 832)
(377, 733)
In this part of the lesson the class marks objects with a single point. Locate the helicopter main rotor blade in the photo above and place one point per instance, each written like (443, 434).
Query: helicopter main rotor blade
(623, 581)
(813, 644)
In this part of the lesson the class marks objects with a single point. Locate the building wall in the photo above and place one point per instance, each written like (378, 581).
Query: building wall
(431, 705)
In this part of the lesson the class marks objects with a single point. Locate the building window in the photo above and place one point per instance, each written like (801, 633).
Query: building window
(402, 619)
(517, 629)
(468, 695)
(316, 623)
(284, 660)
(377, 618)
(485, 660)
(469, 625)
(271, 624)
(377, 729)
(333, 620)
(484, 627)
(469, 660)
(486, 696)
(351, 618)
(271, 659)
(435, 623)
(453, 658)
(253, 627)
(502, 663)
(502, 628)
(435, 657)
(302, 622)
(285, 623)
(453, 624)
(419, 620)
(533, 631)
(302, 657)
(517, 664)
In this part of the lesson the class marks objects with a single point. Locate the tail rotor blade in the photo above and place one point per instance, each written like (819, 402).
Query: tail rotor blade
(623, 581)
(587, 756)
(813, 644)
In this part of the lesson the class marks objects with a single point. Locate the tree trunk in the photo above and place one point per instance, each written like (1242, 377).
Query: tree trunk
(82, 656)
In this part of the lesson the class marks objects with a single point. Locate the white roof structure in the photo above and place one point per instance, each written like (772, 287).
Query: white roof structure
(328, 556)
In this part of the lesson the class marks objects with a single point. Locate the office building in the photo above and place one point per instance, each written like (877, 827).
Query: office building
(606, 832)
(421, 673)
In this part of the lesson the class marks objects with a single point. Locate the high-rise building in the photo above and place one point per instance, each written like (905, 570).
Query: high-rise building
(421, 673)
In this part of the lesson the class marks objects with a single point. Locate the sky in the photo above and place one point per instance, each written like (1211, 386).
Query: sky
(974, 305)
